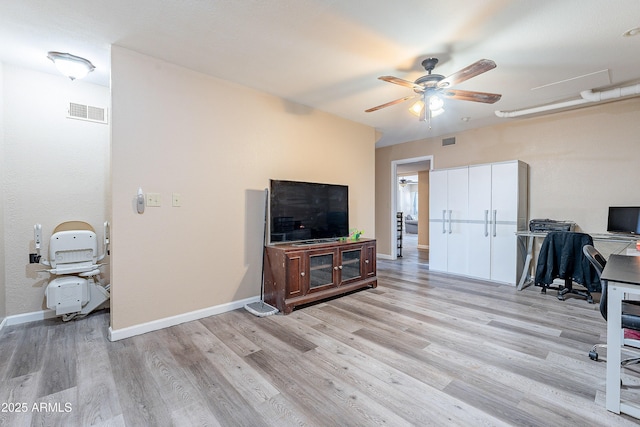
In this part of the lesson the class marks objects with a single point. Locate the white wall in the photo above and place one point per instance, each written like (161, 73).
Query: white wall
(217, 144)
(3, 286)
(54, 170)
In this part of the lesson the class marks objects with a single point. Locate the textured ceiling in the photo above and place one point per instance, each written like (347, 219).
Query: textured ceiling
(327, 54)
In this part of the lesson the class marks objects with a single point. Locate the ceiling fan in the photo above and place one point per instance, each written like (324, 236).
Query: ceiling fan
(404, 181)
(431, 88)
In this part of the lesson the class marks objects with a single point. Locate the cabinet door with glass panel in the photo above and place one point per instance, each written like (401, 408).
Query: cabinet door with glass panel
(323, 269)
(350, 266)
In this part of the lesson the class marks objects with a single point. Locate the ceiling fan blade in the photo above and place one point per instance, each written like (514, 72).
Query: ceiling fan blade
(388, 104)
(401, 82)
(479, 67)
(468, 95)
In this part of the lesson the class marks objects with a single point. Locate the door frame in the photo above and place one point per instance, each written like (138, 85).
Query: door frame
(394, 196)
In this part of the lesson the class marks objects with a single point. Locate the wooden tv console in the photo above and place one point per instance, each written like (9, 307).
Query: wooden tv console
(297, 274)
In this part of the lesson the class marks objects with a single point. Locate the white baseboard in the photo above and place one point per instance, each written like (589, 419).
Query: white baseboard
(34, 316)
(384, 256)
(423, 246)
(119, 334)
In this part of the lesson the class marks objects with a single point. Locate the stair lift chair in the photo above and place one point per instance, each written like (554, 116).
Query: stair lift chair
(74, 290)
(630, 309)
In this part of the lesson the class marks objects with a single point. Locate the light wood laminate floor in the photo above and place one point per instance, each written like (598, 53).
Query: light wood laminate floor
(421, 349)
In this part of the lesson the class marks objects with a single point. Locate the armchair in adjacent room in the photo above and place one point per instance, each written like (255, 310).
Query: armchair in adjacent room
(561, 256)
(411, 224)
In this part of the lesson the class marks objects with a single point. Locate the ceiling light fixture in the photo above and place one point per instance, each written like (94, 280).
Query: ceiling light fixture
(71, 66)
(632, 32)
(416, 108)
(435, 103)
(435, 108)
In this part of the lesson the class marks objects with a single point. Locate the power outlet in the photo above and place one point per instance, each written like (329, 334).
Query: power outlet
(154, 200)
(176, 200)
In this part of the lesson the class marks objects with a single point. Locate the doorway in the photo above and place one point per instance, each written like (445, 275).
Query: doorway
(410, 195)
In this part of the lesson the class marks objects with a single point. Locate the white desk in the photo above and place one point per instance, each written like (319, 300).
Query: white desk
(526, 238)
(622, 273)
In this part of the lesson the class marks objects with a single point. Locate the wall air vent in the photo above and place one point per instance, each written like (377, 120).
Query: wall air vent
(87, 113)
(448, 141)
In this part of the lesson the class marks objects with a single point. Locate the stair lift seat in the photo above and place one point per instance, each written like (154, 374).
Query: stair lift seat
(67, 294)
(73, 251)
(73, 257)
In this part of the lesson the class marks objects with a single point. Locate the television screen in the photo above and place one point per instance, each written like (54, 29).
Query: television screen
(308, 211)
(624, 219)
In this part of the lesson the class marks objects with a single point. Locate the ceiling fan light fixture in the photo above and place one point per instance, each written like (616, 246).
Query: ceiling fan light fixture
(72, 66)
(432, 86)
(435, 108)
(435, 103)
(416, 108)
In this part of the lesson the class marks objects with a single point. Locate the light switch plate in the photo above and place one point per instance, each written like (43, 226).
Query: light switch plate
(176, 200)
(154, 200)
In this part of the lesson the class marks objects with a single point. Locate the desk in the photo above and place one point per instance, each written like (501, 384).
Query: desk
(622, 274)
(526, 238)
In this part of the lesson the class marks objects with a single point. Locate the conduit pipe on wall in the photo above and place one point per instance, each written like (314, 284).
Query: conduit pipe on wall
(587, 96)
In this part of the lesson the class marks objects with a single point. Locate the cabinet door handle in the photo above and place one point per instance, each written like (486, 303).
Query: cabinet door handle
(335, 268)
(486, 222)
(444, 221)
(495, 221)
(340, 267)
(366, 261)
(302, 273)
(449, 221)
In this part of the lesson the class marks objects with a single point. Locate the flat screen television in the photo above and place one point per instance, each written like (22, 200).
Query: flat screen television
(307, 211)
(624, 219)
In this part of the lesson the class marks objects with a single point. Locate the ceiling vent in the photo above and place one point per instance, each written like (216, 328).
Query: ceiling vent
(87, 113)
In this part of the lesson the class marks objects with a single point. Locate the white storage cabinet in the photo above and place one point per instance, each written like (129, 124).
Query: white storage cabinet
(496, 207)
(448, 228)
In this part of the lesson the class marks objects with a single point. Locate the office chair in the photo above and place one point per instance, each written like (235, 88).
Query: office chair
(73, 291)
(561, 257)
(630, 309)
